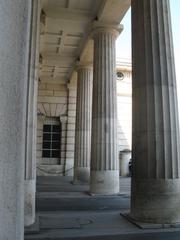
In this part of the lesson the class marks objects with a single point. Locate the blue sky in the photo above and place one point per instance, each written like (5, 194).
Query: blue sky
(123, 44)
(175, 16)
(124, 41)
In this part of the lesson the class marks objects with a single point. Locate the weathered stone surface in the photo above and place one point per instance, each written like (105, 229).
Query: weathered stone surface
(29, 202)
(14, 28)
(83, 124)
(156, 153)
(104, 114)
(31, 121)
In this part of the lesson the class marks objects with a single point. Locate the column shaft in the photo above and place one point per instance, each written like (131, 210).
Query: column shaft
(71, 119)
(104, 159)
(156, 172)
(31, 120)
(83, 125)
(14, 28)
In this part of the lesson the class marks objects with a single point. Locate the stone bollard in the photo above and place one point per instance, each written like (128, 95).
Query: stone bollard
(125, 156)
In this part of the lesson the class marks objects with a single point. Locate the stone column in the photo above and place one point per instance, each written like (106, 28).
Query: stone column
(104, 158)
(156, 151)
(14, 28)
(83, 124)
(31, 120)
(71, 119)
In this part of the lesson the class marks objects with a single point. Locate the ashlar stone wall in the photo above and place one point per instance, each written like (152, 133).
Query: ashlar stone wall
(59, 101)
(52, 104)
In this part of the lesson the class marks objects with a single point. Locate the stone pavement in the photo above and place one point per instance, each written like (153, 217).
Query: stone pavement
(66, 211)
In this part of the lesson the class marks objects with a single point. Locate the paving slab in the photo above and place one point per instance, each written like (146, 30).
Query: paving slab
(67, 211)
(91, 224)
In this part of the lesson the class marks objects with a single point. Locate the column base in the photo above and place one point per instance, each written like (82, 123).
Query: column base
(81, 175)
(145, 225)
(155, 200)
(29, 202)
(104, 182)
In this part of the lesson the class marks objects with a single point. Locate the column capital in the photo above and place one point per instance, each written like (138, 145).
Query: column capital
(102, 27)
(84, 65)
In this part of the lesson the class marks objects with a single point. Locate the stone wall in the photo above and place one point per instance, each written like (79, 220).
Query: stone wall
(124, 104)
(52, 103)
(55, 100)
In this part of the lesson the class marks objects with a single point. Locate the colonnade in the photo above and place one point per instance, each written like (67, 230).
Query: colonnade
(156, 154)
(156, 171)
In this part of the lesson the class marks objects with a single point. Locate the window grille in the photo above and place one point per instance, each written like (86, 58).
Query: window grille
(51, 140)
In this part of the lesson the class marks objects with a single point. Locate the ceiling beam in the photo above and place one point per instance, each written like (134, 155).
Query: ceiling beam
(56, 56)
(54, 80)
(55, 25)
(113, 11)
(68, 14)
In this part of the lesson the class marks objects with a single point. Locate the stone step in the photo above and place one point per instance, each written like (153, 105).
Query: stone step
(62, 188)
(93, 225)
(128, 236)
(58, 202)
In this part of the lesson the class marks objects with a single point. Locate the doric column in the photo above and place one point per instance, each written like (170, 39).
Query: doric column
(31, 120)
(104, 158)
(14, 28)
(156, 167)
(83, 124)
(71, 119)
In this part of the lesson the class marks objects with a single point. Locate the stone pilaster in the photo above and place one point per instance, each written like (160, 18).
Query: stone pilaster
(83, 124)
(104, 158)
(15, 28)
(156, 171)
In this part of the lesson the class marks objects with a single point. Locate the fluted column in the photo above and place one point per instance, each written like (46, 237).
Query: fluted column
(104, 159)
(31, 120)
(156, 145)
(83, 124)
(14, 28)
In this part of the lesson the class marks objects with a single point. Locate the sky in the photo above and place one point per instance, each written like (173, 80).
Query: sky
(123, 44)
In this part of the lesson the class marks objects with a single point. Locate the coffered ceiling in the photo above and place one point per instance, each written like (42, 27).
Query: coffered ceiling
(65, 33)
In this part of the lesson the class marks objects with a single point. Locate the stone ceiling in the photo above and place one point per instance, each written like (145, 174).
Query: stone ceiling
(65, 33)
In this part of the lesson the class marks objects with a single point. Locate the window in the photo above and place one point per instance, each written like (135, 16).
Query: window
(51, 140)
